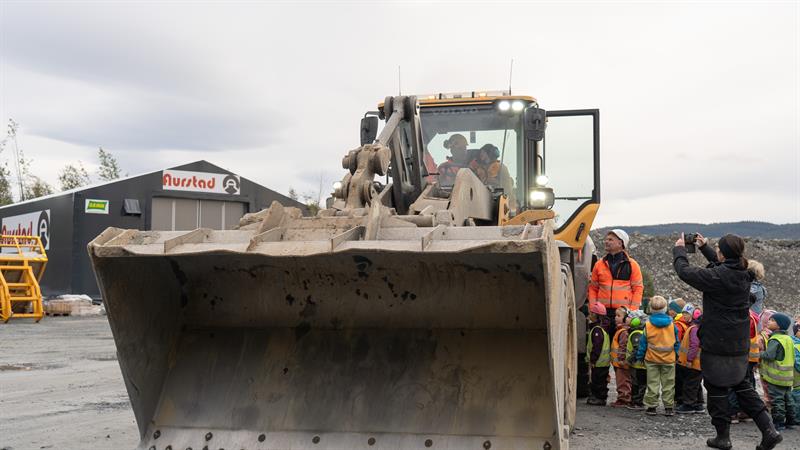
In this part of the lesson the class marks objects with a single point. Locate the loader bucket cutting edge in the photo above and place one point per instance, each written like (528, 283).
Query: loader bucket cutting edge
(359, 348)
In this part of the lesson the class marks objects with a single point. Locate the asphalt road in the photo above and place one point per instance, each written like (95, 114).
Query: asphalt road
(61, 388)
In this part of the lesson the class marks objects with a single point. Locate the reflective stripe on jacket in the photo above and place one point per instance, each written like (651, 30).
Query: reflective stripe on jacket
(683, 353)
(617, 351)
(604, 360)
(780, 373)
(660, 344)
(634, 338)
(621, 289)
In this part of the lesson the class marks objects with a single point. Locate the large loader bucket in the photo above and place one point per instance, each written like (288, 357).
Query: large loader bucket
(315, 336)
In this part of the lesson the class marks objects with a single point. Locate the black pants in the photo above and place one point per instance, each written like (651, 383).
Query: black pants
(751, 378)
(638, 386)
(680, 374)
(692, 389)
(719, 407)
(611, 313)
(599, 385)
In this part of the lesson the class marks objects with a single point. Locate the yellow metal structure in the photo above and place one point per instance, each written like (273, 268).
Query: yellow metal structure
(22, 263)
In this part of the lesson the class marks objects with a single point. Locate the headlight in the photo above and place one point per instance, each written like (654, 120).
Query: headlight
(538, 196)
(517, 106)
(541, 198)
(337, 189)
(542, 180)
(504, 105)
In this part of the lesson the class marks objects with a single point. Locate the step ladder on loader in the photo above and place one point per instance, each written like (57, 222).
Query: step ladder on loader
(22, 264)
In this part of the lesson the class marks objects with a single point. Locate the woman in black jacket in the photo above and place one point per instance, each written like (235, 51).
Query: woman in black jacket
(725, 335)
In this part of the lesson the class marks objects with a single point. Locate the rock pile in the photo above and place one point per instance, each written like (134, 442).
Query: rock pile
(781, 259)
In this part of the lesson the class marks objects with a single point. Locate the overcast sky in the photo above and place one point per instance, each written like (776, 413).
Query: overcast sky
(698, 102)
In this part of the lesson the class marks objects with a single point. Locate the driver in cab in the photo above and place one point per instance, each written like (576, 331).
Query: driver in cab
(457, 144)
(492, 172)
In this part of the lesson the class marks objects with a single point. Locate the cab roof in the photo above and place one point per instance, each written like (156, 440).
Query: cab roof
(466, 98)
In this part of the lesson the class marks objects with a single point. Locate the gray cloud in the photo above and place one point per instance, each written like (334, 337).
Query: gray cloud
(155, 123)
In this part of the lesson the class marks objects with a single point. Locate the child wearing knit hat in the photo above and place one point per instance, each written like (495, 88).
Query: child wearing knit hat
(777, 369)
(637, 369)
(598, 354)
(622, 372)
(689, 364)
(675, 307)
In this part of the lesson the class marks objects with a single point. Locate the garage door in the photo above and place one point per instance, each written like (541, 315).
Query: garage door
(177, 214)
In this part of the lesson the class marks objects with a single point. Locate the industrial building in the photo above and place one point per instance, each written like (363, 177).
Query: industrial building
(194, 195)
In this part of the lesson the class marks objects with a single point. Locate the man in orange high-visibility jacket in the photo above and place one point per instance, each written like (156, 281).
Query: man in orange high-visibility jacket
(617, 278)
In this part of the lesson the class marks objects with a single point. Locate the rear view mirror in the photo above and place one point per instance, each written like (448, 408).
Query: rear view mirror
(535, 122)
(369, 129)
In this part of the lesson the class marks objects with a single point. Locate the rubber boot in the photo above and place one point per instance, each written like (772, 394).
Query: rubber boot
(723, 438)
(769, 435)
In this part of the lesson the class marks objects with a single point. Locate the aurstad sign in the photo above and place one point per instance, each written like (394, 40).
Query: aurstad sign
(218, 183)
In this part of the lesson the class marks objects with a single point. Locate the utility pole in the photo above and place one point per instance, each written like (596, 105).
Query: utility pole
(12, 133)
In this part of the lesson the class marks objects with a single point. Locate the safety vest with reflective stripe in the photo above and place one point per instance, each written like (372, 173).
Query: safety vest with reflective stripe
(754, 348)
(612, 292)
(780, 373)
(617, 353)
(660, 344)
(604, 360)
(683, 352)
(633, 345)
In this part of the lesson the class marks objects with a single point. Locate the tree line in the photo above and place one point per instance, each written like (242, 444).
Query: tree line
(26, 185)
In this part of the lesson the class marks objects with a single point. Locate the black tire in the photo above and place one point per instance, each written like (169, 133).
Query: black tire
(570, 371)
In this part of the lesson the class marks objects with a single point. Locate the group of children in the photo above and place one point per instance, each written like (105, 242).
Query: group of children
(658, 356)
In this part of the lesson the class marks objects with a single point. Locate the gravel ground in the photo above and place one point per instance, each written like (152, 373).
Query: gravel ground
(61, 388)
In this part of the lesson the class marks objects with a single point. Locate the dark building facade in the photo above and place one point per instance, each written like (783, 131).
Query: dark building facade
(199, 194)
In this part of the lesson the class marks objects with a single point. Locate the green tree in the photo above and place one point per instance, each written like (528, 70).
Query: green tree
(293, 194)
(109, 168)
(36, 187)
(6, 194)
(73, 176)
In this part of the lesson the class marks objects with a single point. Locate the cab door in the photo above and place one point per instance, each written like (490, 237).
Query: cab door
(572, 164)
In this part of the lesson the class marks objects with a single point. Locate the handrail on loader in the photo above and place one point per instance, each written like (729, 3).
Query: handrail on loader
(22, 263)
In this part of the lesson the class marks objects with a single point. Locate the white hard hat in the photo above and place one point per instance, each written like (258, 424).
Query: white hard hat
(622, 235)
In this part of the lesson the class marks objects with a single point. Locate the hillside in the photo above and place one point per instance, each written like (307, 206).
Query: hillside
(779, 256)
(762, 230)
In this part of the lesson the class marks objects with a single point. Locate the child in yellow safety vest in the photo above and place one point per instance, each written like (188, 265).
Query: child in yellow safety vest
(598, 354)
(637, 370)
(689, 364)
(622, 372)
(658, 348)
(777, 369)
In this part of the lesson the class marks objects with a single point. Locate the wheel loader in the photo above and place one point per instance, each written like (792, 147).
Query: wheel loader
(412, 312)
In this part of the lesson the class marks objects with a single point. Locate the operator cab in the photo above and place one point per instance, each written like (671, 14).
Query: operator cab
(555, 170)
